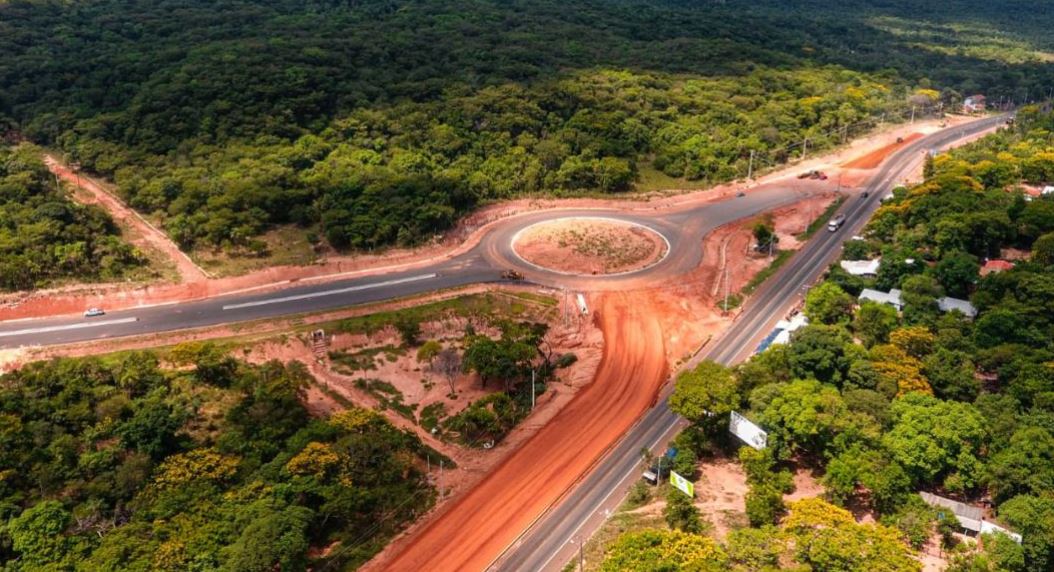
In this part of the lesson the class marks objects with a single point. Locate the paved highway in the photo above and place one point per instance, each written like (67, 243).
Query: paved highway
(683, 229)
(555, 538)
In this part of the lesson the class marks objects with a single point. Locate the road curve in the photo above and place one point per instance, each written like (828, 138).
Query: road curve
(554, 538)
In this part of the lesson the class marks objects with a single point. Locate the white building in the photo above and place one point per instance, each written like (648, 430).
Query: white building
(892, 297)
(947, 304)
(866, 268)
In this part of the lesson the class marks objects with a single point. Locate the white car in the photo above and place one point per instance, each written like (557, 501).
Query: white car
(92, 312)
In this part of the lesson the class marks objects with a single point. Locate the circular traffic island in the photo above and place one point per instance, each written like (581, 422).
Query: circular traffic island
(590, 246)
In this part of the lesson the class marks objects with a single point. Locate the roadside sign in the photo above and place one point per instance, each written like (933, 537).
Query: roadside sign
(682, 484)
(750, 433)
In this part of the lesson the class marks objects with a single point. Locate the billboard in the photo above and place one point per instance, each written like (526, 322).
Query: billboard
(750, 434)
(682, 484)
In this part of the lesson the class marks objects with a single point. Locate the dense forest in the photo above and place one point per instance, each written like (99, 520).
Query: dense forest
(44, 236)
(380, 122)
(885, 403)
(198, 463)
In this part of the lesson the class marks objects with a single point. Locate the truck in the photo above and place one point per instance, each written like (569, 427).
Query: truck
(836, 222)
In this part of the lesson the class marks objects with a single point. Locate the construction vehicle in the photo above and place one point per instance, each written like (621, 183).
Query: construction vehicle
(510, 274)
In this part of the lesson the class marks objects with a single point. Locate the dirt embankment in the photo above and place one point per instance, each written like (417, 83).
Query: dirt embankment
(875, 158)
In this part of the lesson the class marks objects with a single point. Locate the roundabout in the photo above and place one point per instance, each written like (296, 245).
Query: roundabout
(590, 246)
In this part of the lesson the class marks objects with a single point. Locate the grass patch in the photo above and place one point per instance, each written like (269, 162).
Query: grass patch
(432, 415)
(350, 363)
(821, 220)
(535, 298)
(285, 245)
(484, 307)
(388, 396)
(781, 258)
(650, 179)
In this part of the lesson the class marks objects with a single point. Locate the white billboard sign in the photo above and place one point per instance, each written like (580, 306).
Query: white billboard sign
(750, 433)
(682, 484)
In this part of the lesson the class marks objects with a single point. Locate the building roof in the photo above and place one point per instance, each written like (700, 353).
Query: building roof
(947, 304)
(960, 509)
(892, 297)
(861, 267)
(996, 265)
(970, 517)
(781, 333)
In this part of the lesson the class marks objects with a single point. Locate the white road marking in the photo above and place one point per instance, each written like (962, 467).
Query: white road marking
(77, 326)
(329, 292)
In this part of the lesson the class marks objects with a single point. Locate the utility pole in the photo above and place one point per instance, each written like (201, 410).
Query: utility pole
(804, 147)
(912, 114)
(750, 168)
(581, 558)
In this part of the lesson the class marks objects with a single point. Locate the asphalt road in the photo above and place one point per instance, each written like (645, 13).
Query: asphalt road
(556, 537)
(683, 229)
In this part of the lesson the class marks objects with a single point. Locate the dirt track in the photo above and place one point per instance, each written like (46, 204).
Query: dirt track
(520, 488)
(145, 235)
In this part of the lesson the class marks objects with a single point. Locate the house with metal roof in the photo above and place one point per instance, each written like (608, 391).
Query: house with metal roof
(892, 297)
(947, 304)
(866, 268)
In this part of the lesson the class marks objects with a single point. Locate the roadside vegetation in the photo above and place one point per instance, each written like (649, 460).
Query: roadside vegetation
(884, 403)
(46, 238)
(380, 123)
(205, 463)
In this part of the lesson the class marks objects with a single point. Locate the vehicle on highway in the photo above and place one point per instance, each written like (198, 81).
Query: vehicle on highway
(836, 222)
(92, 312)
(511, 275)
(865, 194)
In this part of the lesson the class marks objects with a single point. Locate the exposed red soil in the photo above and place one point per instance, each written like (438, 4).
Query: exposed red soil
(474, 528)
(143, 234)
(590, 246)
(875, 158)
(722, 489)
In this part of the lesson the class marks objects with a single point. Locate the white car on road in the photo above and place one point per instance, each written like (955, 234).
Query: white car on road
(92, 312)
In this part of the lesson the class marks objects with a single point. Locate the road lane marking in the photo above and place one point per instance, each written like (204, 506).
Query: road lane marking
(77, 326)
(330, 292)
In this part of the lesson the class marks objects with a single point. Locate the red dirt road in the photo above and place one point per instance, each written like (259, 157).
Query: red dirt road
(474, 529)
(145, 234)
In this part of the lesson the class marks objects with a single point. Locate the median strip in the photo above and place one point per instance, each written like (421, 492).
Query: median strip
(329, 292)
(77, 326)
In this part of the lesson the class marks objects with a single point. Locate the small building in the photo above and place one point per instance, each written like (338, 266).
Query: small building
(996, 265)
(971, 518)
(782, 332)
(947, 304)
(865, 268)
(974, 104)
(1047, 190)
(891, 298)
